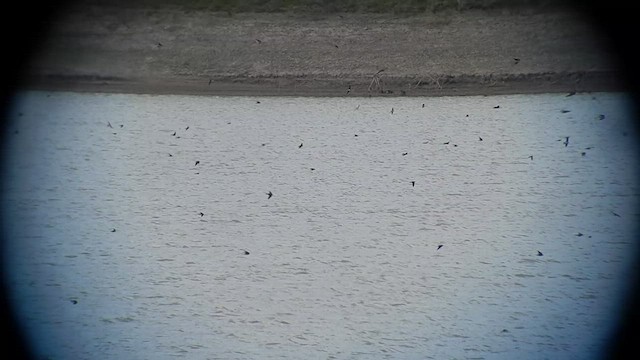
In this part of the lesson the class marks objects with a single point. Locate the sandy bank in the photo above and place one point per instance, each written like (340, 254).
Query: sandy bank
(173, 51)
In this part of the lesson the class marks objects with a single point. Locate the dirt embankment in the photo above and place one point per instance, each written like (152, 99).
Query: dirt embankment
(176, 51)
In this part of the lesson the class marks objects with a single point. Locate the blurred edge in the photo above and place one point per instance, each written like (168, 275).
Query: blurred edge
(25, 25)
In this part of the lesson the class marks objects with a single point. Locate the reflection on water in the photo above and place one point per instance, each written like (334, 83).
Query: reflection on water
(343, 259)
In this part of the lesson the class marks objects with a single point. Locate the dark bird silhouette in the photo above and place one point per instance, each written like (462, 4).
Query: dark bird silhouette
(113, 230)
(257, 102)
(159, 45)
(392, 111)
(531, 157)
(270, 194)
(413, 183)
(479, 138)
(356, 135)
(566, 141)
(170, 155)
(109, 124)
(583, 153)
(516, 60)
(259, 41)
(336, 46)
(121, 126)
(246, 252)
(174, 134)
(379, 71)
(197, 162)
(210, 81)
(447, 143)
(74, 301)
(614, 214)
(422, 105)
(187, 128)
(466, 115)
(600, 117)
(201, 214)
(497, 107)
(439, 246)
(564, 111)
(579, 234)
(300, 146)
(403, 154)
(571, 93)
(348, 89)
(313, 169)
(539, 253)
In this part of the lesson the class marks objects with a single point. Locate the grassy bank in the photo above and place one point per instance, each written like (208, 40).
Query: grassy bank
(334, 6)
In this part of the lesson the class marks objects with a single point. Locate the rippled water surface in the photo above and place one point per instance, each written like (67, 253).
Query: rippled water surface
(343, 259)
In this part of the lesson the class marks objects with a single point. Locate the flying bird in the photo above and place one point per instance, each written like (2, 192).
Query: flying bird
(270, 195)
(579, 234)
(480, 139)
(109, 124)
(392, 111)
(531, 157)
(313, 169)
(422, 105)
(600, 117)
(348, 89)
(413, 183)
(497, 107)
(210, 81)
(121, 126)
(187, 128)
(439, 246)
(539, 253)
(174, 134)
(516, 60)
(300, 146)
(564, 111)
(197, 162)
(170, 155)
(201, 214)
(403, 154)
(566, 141)
(159, 45)
(259, 41)
(246, 252)
(447, 143)
(74, 301)
(113, 230)
(571, 93)
(614, 214)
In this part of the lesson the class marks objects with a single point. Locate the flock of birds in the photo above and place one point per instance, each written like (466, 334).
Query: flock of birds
(270, 194)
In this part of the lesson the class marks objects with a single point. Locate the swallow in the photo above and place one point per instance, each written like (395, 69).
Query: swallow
(258, 41)
(113, 230)
(174, 134)
(300, 146)
(531, 157)
(479, 138)
(197, 162)
(391, 111)
(246, 252)
(187, 128)
(539, 253)
(257, 102)
(614, 214)
(439, 246)
(413, 183)
(210, 81)
(579, 234)
(423, 105)
(159, 45)
(109, 124)
(564, 111)
(566, 141)
(583, 153)
(121, 126)
(270, 195)
(516, 60)
(312, 169)
(404, 154)
(201, 214)
(497, 107)
(74, 301)
(170, 155)
(571, 94)
(447, 143)
(600, 117)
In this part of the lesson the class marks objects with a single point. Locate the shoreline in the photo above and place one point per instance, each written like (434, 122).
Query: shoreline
(433, 86)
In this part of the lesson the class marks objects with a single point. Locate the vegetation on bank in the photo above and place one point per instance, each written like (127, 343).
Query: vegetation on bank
(331, 6)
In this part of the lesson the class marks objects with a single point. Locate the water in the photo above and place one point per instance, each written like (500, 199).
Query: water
(343, 259)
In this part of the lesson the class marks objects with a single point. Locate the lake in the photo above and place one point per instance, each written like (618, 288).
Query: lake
(139, 226)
